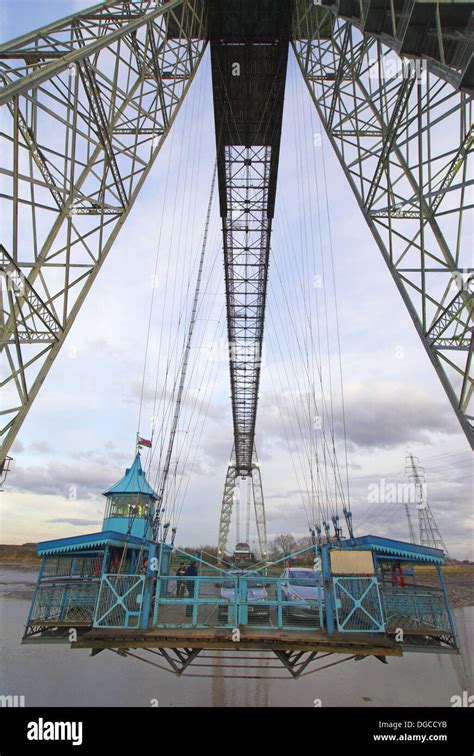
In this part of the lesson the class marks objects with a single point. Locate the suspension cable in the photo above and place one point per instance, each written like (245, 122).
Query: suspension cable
(184, 367)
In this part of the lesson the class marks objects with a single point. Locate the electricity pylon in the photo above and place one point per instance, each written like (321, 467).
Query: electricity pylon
(428, 528)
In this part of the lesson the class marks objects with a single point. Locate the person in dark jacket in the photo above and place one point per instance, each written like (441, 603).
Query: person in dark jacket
(180, 572)
(191, 572)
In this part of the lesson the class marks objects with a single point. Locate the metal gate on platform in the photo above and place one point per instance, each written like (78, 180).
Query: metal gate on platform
(120, 601)
(358, 605)
(231, 598)
(223, 601)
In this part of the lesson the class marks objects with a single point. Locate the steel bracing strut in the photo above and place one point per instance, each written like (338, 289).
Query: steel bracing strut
(88, 102)
(404, 138)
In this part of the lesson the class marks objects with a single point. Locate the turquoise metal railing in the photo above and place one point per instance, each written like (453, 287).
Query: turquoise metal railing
(120, 601)
(358, 605)
(117, 601)
(193, 602)
(64, 602)
(65, 566)
(223, 601)
(415, 609)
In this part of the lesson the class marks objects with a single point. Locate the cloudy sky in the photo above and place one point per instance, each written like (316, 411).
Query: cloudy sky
(79, 435)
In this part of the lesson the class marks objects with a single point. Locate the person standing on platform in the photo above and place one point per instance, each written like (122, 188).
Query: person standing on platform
(180, 584)
(191, 573)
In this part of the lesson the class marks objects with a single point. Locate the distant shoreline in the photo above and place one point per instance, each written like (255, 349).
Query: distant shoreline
(20, 556)
(20, 564)
(459, 577)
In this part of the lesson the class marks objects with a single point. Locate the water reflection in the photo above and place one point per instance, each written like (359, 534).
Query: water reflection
(463, 663)
(233, 690)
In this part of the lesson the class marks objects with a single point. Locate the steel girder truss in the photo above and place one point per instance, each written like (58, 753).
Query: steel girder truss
(442, 32)
(249, 53)
(259, 507)
(205, 662)
(247, 231)
(228, 505)
(88, 102)
(404, 139)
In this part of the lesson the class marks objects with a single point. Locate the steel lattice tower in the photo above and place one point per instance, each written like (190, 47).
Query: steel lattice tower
(88, 101)
(411, 532)
(428, 529)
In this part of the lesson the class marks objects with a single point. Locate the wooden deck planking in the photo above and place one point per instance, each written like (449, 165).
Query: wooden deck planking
(219, 638)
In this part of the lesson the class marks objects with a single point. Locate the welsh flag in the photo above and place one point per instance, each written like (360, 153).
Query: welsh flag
(144, 442)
